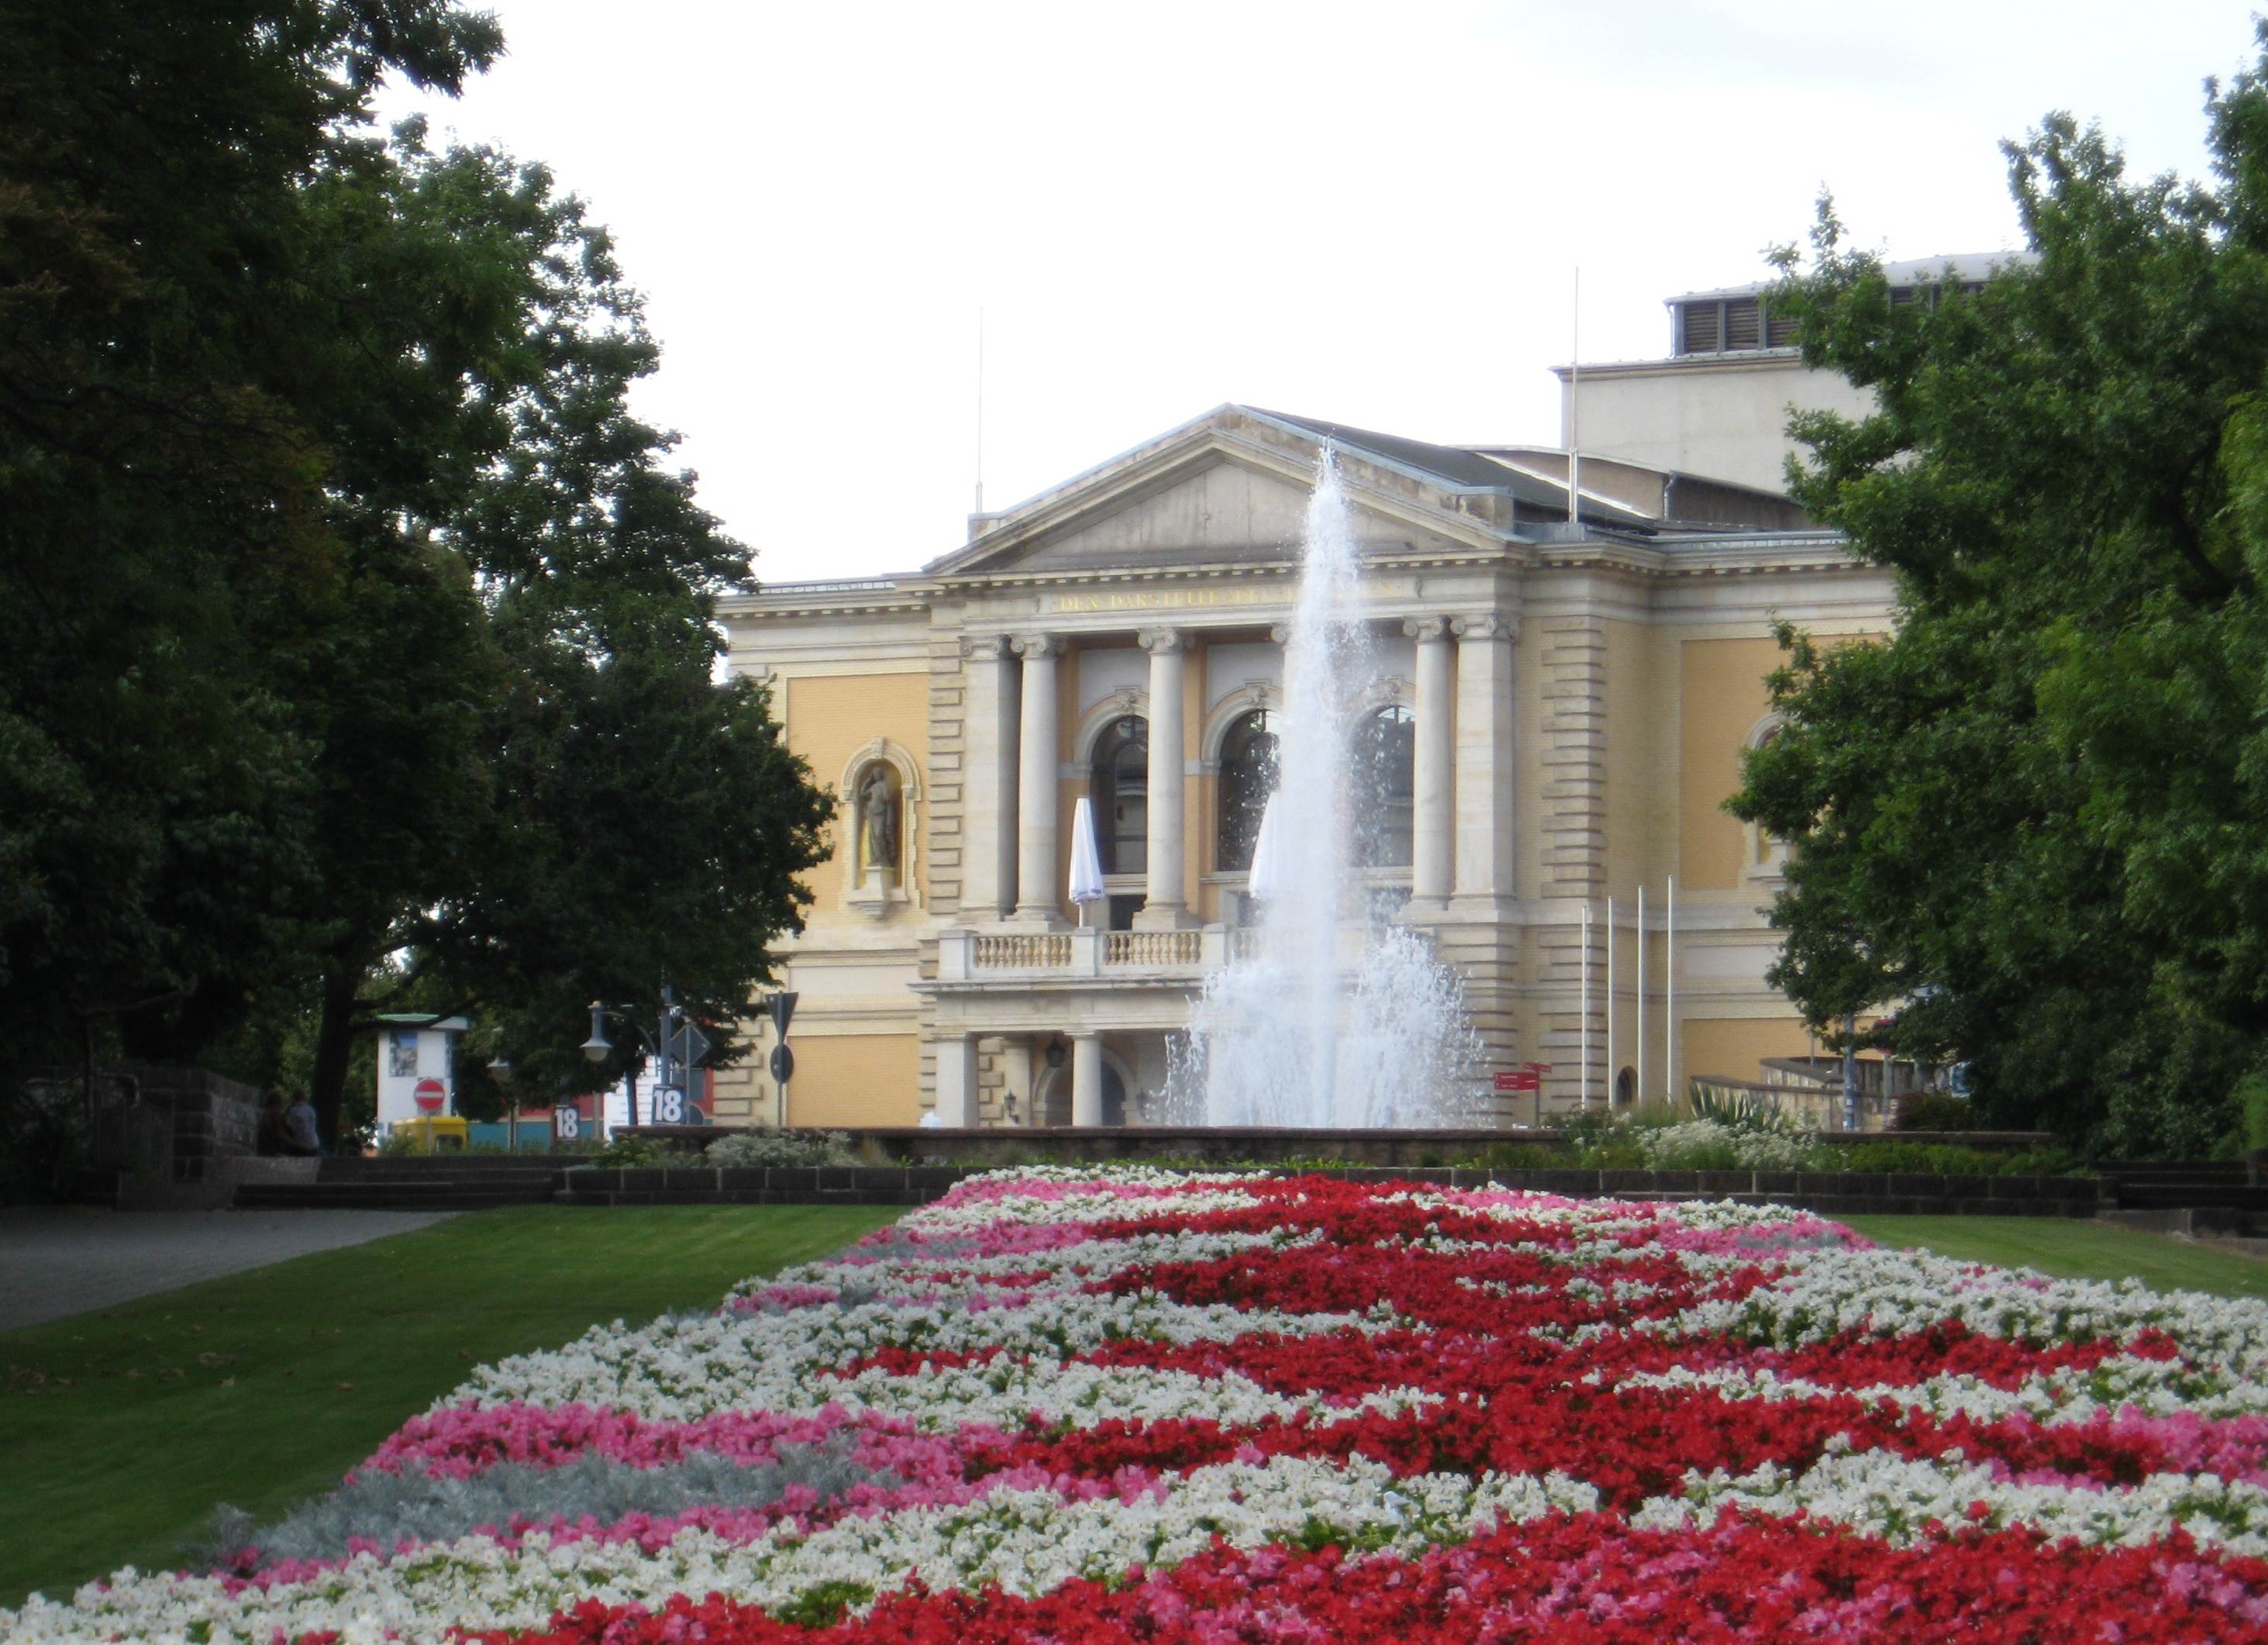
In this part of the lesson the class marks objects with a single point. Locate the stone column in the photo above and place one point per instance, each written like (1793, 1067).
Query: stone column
(1484, 740)
(956, 1079)
(1433, 830)
(1163, 908)
(1085, 1079)
(1038, 897)
(987, 805)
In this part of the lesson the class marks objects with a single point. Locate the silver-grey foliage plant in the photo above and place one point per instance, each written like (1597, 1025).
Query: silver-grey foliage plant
(413, 1506)
(783, 1148)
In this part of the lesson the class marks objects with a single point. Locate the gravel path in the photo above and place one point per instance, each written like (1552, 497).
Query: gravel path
(56, 1261)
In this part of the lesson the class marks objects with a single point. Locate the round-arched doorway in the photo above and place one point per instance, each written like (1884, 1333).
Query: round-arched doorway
(1051, 1101)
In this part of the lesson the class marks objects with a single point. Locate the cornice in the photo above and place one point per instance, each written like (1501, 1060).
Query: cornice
(1733, 555)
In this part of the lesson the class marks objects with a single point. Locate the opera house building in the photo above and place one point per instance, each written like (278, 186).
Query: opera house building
(1563, 693)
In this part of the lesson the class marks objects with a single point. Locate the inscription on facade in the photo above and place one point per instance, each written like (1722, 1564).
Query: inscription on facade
(1165, 598)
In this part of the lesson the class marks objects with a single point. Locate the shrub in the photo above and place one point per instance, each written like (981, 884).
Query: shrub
(1927, 1159)
(1525, 1156)
(1948, 1159)
(779, 1148)
(2252, 1104)
(43, 1139)
(1937, 1110)
(1742, 1110)
(1699, 1144)
(635, 1153)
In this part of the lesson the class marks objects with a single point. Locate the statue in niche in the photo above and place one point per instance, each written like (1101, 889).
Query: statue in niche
(877, 815)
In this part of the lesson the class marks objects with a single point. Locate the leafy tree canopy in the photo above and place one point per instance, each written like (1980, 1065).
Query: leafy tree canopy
(372, 658)
(2034, 815)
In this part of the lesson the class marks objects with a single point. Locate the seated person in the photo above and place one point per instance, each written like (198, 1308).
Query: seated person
(300, 1137)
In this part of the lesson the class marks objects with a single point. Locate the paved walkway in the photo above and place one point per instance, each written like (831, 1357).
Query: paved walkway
(69, 1259)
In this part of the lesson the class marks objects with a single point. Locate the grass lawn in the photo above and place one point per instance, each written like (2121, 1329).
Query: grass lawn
(2074, 1249)
(120, 1429)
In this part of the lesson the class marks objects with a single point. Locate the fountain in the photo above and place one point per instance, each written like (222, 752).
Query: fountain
(1337, 1018)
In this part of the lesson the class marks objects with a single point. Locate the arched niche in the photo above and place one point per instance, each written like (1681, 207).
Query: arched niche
(1763, 856)
(880, 770)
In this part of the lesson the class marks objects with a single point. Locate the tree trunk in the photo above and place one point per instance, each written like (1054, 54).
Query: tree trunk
(335, 1043)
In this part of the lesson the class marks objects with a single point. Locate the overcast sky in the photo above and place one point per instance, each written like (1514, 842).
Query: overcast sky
(1367, 213)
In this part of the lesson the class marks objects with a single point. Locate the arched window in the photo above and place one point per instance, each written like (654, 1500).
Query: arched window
(1384, 773)
(1119, 784)
(1247, 777)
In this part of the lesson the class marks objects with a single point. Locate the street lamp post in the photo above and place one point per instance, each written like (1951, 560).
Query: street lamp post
(674, 1042)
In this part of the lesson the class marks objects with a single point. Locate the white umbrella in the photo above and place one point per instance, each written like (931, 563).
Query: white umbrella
(1085, 861)
(1263, 881)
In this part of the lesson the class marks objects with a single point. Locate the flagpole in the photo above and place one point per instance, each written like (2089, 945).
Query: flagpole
(1641, 991)
(1583, 1020)
(1610, 1005)
(1669, 998)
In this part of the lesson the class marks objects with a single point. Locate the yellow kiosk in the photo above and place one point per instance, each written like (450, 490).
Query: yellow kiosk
(434, 1133)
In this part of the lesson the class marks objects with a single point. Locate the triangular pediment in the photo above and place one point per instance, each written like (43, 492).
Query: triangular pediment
(1231, 488)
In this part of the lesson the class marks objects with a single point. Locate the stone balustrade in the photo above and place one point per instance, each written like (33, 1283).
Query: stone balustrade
(1153, 948)
(972, 955)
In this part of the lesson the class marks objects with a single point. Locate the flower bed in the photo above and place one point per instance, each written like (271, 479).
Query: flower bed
(1136, 1406)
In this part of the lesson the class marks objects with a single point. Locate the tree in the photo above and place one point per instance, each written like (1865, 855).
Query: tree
(165, 533)
(2036, 811)
(369, 646)
(532, 791)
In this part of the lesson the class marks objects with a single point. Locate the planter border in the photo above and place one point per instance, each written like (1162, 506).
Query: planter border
(1827, 1194)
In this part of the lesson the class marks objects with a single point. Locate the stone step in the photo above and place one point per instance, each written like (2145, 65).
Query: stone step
(355, 1166)
(454, 1180)
(2132, 1196)
(386, 1196)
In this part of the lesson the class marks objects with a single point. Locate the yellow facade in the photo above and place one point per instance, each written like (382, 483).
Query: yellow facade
(1632, 678)
(829, 718)
(1736, 1047)
(854, 1079)
(1722, 703)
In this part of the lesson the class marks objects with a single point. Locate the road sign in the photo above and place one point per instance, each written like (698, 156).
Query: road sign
(1517, 1079)
(688, 1046)
(669, 1106)
(783, 1063)
(782, 1005)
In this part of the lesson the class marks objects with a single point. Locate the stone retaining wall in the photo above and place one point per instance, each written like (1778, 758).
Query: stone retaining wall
(1232, 1146)
(1830, 1194)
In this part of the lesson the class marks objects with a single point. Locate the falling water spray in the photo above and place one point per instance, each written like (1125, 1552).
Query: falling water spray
(1336, 1017)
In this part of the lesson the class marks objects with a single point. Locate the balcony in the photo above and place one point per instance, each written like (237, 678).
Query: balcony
(1090, 954)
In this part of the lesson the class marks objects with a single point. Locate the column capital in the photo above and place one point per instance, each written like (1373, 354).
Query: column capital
(1485, 625)
(1281, 633)
(981, 647)
(1160, 641)
(1033, 646)
(1424, 628)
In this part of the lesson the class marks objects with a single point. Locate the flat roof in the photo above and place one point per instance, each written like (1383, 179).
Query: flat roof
(1963, 266)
